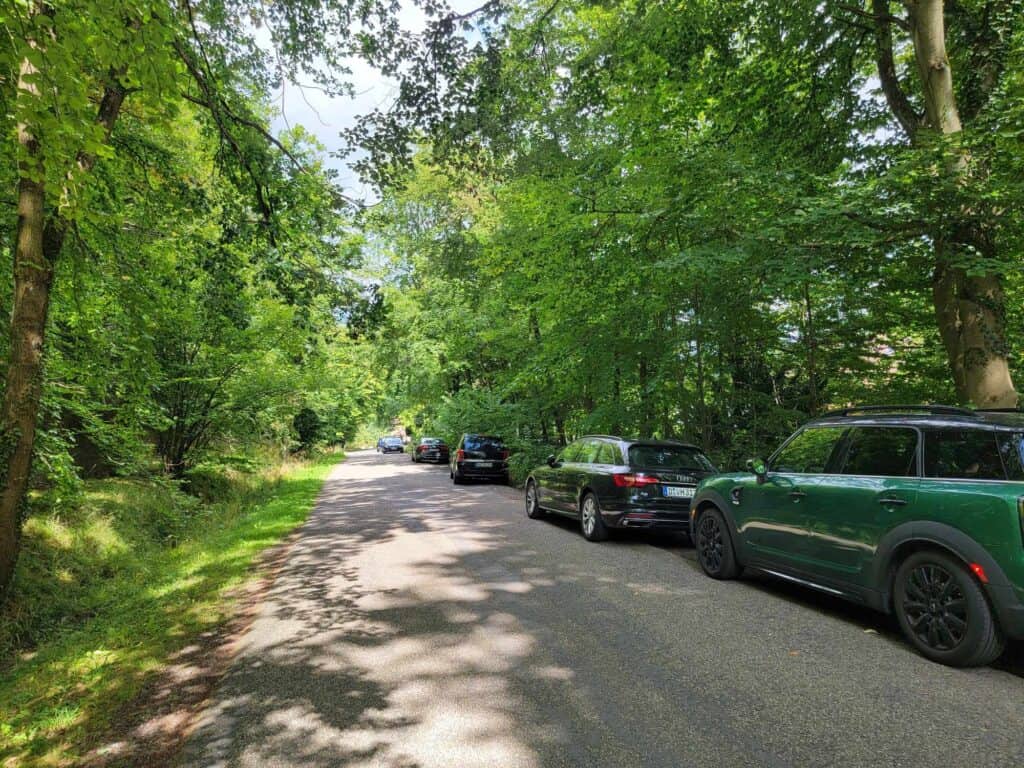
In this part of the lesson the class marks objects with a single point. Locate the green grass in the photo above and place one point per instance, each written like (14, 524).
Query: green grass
(106, 593)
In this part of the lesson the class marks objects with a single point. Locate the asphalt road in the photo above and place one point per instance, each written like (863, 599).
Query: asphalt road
(421, 624)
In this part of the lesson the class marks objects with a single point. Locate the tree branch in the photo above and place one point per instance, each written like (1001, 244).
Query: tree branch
(876, 16)
(895, 96)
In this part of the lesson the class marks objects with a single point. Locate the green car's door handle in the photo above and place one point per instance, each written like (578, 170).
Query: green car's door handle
(896, 502)
(797, 494)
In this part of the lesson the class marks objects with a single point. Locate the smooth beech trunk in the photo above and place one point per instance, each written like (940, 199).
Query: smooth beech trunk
(969, 308)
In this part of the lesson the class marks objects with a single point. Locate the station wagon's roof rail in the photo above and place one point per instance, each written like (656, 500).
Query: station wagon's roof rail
(946, 410)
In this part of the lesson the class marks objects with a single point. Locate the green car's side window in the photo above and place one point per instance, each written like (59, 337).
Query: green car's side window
(881, 452)
(809, 452)
(970, 454)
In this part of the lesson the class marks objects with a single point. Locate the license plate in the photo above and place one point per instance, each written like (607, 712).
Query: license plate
(675, 492)
(485, 464)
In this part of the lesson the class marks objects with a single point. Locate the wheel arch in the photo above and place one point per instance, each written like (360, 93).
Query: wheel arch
(708, 499)
(909, 538)
(584, 490)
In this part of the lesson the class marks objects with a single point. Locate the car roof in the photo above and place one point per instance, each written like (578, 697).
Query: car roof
(639, 441)
(939, 417)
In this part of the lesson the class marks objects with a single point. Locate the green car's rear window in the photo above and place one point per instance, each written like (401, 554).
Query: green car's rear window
(967, 454)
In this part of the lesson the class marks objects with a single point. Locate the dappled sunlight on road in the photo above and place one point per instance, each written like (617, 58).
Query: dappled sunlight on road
(378, 647)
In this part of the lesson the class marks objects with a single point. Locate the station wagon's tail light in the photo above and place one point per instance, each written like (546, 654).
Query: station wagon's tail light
(634, 481)
(421, 448)
(460, 455)
(504, 454)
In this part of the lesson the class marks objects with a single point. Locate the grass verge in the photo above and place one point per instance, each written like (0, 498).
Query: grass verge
(106, 594)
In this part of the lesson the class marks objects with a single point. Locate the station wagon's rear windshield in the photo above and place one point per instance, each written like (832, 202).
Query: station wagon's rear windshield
(486, 443)
(669, 457)
(392, 440)
(431, 441)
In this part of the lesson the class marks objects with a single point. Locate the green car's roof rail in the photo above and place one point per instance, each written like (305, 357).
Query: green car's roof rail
(938, 410)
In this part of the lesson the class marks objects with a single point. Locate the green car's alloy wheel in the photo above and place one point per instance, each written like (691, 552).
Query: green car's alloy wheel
(943, 611)
(533, 510)
(714, 546)
(591, 522)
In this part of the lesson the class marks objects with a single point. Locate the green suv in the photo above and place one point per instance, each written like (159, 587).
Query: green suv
(915, 510)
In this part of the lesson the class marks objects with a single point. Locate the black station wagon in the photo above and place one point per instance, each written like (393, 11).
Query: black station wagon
(915, 510)
(609, 482)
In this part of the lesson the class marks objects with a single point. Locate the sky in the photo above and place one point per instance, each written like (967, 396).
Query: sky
(326, 116)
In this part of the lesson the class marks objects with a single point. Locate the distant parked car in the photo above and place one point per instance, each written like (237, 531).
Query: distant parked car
(609, 482)
(390, 444)
(914, 510)
(480, 457)
(432, 449)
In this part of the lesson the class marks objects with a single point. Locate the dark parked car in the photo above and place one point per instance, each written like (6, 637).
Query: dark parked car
(431, 449)
(390, 444)
(915, 510)
(480, 457)
(608, 482)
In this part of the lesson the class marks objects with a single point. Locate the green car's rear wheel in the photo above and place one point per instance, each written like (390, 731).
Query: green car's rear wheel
(943, 611)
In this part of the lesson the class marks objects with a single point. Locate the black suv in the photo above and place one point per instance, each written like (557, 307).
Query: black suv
(480, 457)
(608, 482)
(914, 510)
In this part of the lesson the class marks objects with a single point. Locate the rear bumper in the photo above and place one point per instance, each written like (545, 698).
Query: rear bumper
(499, 470)
(433, 457)
(645, 517)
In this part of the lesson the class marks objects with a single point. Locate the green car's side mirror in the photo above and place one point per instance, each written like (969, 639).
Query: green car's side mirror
(759, 468)
(552, 460)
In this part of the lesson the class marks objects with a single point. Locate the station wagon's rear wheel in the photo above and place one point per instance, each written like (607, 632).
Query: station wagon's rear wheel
(591, 522)
(943, 611)
(714, 546)
(533, 510)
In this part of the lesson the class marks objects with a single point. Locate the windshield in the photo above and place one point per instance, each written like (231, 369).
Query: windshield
(392, 440)
(669, 457)
(431, 441)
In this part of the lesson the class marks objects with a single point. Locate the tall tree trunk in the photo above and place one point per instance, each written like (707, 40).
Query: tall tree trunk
(33, 275)
(969, 309)
(38, 243)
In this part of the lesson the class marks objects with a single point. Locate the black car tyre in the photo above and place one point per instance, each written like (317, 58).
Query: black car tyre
(943, 611)
(533, 510)
(591, 522)
(714, 546)
(457, 477)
